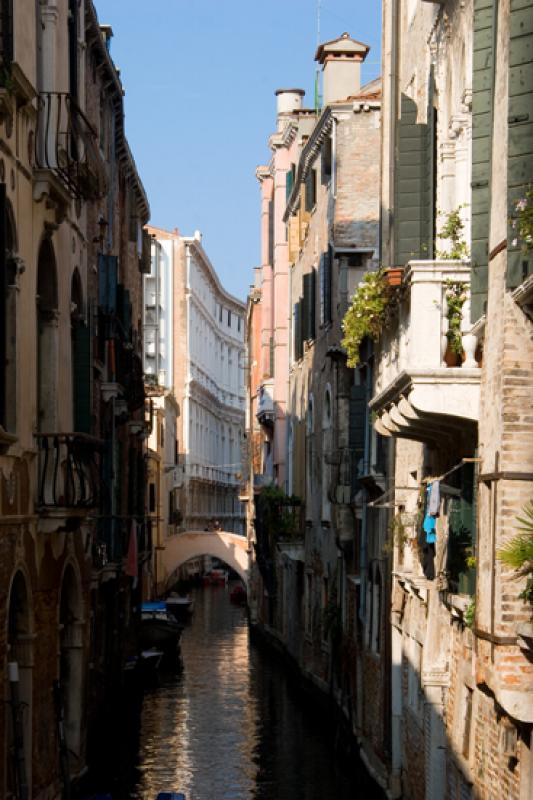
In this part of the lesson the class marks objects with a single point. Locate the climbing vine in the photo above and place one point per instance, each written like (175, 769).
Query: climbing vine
(455, 299)
(366, 315)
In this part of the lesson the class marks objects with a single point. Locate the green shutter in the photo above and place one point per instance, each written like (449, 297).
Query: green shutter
(413, 180)
(289, 183)
(482, 120)
(107, 283)
(357, 429)
(308, 306)
(312, 310)
(310, 190)
(81, 357)
(520, 147)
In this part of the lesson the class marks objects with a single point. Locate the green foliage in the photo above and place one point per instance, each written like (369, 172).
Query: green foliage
(453, 231)
(278, 515)
(455, 300)
(397, 534)
(518, 552)
(470, 614)
(366, 315)
(522, 223)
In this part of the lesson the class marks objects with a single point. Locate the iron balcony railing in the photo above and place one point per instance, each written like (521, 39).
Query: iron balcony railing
(69, 470)
(67, 144)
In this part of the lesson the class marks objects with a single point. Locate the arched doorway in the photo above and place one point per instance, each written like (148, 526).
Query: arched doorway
(19, 690)
(9, 270)
(70, 685)
(47, 338)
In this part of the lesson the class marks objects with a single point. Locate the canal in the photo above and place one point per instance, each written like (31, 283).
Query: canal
(230, 725)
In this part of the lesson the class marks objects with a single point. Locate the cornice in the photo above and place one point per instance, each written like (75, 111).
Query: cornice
(307, 159)
(196, 247)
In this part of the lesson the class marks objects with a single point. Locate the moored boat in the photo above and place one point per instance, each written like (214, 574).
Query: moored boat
(159, 629)
(216, 577)
(238, 595)
(180, 606)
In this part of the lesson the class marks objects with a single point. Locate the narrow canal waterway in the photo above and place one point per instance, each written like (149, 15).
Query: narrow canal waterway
(231, 726)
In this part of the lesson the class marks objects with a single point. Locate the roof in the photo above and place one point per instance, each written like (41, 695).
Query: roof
(344, 44)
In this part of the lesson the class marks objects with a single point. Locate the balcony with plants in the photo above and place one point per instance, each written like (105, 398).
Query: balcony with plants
(427, 358)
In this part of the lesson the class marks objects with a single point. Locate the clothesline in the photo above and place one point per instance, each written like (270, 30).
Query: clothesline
(430, 479)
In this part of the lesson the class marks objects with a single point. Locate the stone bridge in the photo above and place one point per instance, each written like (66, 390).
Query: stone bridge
(228, 547)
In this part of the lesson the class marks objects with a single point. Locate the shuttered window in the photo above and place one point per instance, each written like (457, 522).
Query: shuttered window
(297, 330)
(107, 283)
(414, 182)
(310, 190)
(6, 38)
(289, 183)
(520, 152)
(308, 307)
(3, 307)
(482, 120)
(81, 376)
(324, 276)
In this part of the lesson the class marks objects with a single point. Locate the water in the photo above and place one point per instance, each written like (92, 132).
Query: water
(230, 726)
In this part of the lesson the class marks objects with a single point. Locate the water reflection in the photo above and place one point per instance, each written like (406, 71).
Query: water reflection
(228, 727)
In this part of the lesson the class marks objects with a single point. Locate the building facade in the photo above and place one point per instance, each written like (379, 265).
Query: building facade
(70, 291)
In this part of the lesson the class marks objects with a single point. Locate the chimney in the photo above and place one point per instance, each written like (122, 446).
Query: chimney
(289, 101)
(341, 64)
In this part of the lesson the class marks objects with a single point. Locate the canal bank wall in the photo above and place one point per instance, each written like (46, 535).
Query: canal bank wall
(349, 745)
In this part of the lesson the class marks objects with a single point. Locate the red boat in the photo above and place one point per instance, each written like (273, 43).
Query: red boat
(238, 595)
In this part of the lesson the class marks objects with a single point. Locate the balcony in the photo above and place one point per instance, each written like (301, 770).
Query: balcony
(69, 475)
(265, 403)
(67, 157)
(423, 391)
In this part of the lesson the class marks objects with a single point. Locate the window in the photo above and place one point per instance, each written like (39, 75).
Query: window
(309, 302)
(6, 34)
(327, 158)
(239, 323)
(151, 497)
(229, 318)
(324, 271)
(220, 313)
(310, 190)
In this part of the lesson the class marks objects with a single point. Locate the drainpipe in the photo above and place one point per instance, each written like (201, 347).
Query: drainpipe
(18, 731)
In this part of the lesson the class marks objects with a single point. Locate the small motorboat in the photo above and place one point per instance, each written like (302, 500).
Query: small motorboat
(238, 595)
(180, 606)
(170, 796)
(159, 629)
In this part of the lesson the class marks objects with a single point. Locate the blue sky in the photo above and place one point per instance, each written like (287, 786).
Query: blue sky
(200, 77)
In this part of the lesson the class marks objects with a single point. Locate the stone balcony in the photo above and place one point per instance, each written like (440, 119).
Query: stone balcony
(265, 403)
(419, 392)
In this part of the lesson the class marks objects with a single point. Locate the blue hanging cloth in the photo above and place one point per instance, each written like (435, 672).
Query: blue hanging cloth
(430, 523)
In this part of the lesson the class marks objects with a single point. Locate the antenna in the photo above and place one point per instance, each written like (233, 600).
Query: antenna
(318, 99)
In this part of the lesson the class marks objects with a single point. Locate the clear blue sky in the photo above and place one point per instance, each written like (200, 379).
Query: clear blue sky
(200, 77)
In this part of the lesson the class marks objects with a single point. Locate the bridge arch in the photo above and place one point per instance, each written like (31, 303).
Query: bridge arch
(224, 545)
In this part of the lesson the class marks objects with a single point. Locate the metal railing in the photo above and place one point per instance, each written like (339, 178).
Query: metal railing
(67, 144)
(69, 472)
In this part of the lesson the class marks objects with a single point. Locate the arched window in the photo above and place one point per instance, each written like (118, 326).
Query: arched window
(47, 338)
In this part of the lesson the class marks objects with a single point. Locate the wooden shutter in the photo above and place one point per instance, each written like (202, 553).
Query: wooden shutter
(6, 38)
(310, 190)
(357, 429)
(294, 238)
(482, 119)
(107, 283)
(3, 306)
(307, 328)
(81, 358)
(520, 147)
(328, 263)
(289, 183)
(413, 218)
(312, 303)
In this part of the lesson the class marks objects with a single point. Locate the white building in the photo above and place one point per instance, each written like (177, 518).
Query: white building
(194, 350)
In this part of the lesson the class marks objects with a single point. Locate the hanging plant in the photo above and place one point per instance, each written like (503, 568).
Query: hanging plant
(455, 294)
(452, 231)
(522, 223)
(366, 315)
